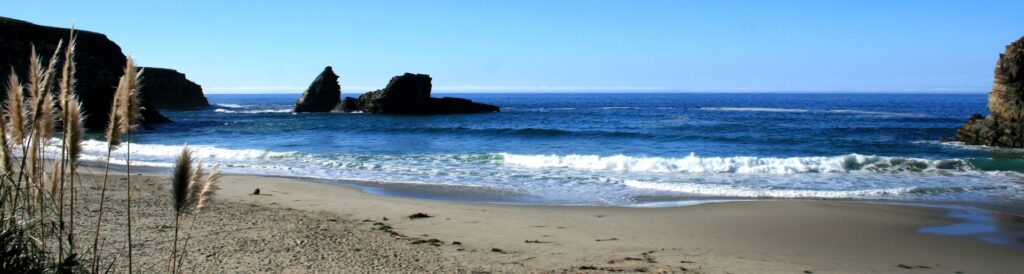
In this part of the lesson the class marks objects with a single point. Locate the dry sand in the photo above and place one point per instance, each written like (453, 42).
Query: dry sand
(304, 227)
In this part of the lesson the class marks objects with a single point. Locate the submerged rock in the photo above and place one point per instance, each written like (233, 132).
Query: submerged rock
(410, 94)
(99, 61)
(1004, 127)
(169, 89)
(322, 95)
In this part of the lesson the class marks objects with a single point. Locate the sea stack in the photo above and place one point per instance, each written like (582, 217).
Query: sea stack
(169, 89)
(100, 65)
(322, 95)
(410, 94)
(1004, 126)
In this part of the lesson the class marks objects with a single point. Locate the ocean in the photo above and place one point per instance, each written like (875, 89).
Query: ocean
(612, 149)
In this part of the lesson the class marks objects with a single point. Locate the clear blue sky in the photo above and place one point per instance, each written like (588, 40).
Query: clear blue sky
(245, 46)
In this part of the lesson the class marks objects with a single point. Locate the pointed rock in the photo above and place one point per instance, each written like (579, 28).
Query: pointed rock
(322, 95)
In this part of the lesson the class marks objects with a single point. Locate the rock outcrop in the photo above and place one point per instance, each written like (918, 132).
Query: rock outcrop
(169, 89)
(1004, 126)
(100, 65)
(410, 94)
(322, 95)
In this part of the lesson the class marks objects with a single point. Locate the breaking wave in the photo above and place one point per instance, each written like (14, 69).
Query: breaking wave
(742, 165)
(253, 111)
(753, 109)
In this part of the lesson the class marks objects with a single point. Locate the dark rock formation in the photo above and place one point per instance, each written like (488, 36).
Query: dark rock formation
(1004, 127)
(100, 65)
(169, 89)
(349, 105)
(410, 94)
(322, 95)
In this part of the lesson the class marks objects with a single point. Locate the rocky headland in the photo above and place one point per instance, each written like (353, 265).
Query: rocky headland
(100, 65)
(1004, 126)
(169, 89)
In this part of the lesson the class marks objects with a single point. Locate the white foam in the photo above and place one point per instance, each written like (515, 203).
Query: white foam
(169, 152)
(754, 109)
(539, 109)
(254, 111)
(737, 165)
(878, 113)
(717, 190)
(231, 105)
(961, 145)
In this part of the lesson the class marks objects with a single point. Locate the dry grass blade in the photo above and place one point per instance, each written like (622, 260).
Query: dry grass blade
(181, 178)
(5, 159)
(35, 72)
(195, 185)
(202, 188)
(15, 109)
(45, 117)
(67, 82)
(129, 109)
(124, 110)
(49, 73)
(74, 129)
(206, 191)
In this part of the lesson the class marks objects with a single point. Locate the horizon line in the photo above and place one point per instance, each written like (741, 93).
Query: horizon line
(250, 92)
(590, 89)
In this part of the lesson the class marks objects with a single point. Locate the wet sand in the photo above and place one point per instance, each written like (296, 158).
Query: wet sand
(296, 226)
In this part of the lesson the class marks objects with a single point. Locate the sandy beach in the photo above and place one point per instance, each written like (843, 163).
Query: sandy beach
(512, 137)
(303, 227)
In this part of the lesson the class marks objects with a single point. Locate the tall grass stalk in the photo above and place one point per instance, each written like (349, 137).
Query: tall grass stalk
(120, 120)
(180, 179)
(204, 190)
(71, 139)
(190, 188)
(130, 113)
(40, 85)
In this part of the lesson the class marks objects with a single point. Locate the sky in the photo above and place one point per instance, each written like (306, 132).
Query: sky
(558, 46)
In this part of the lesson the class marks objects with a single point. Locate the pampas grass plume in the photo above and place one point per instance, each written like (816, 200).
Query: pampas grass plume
(180, 179)
(75, 129)
(15, 109)
(206, 190)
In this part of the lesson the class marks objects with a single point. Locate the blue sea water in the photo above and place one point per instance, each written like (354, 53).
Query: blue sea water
(617, 149)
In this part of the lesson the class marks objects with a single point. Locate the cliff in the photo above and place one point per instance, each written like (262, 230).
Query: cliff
(169, 89)
(100, 65)
(1004, 127)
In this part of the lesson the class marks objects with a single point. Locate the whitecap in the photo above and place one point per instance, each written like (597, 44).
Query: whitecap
(878, 113)
(255, 111)
(737, 109)
(694, 164)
